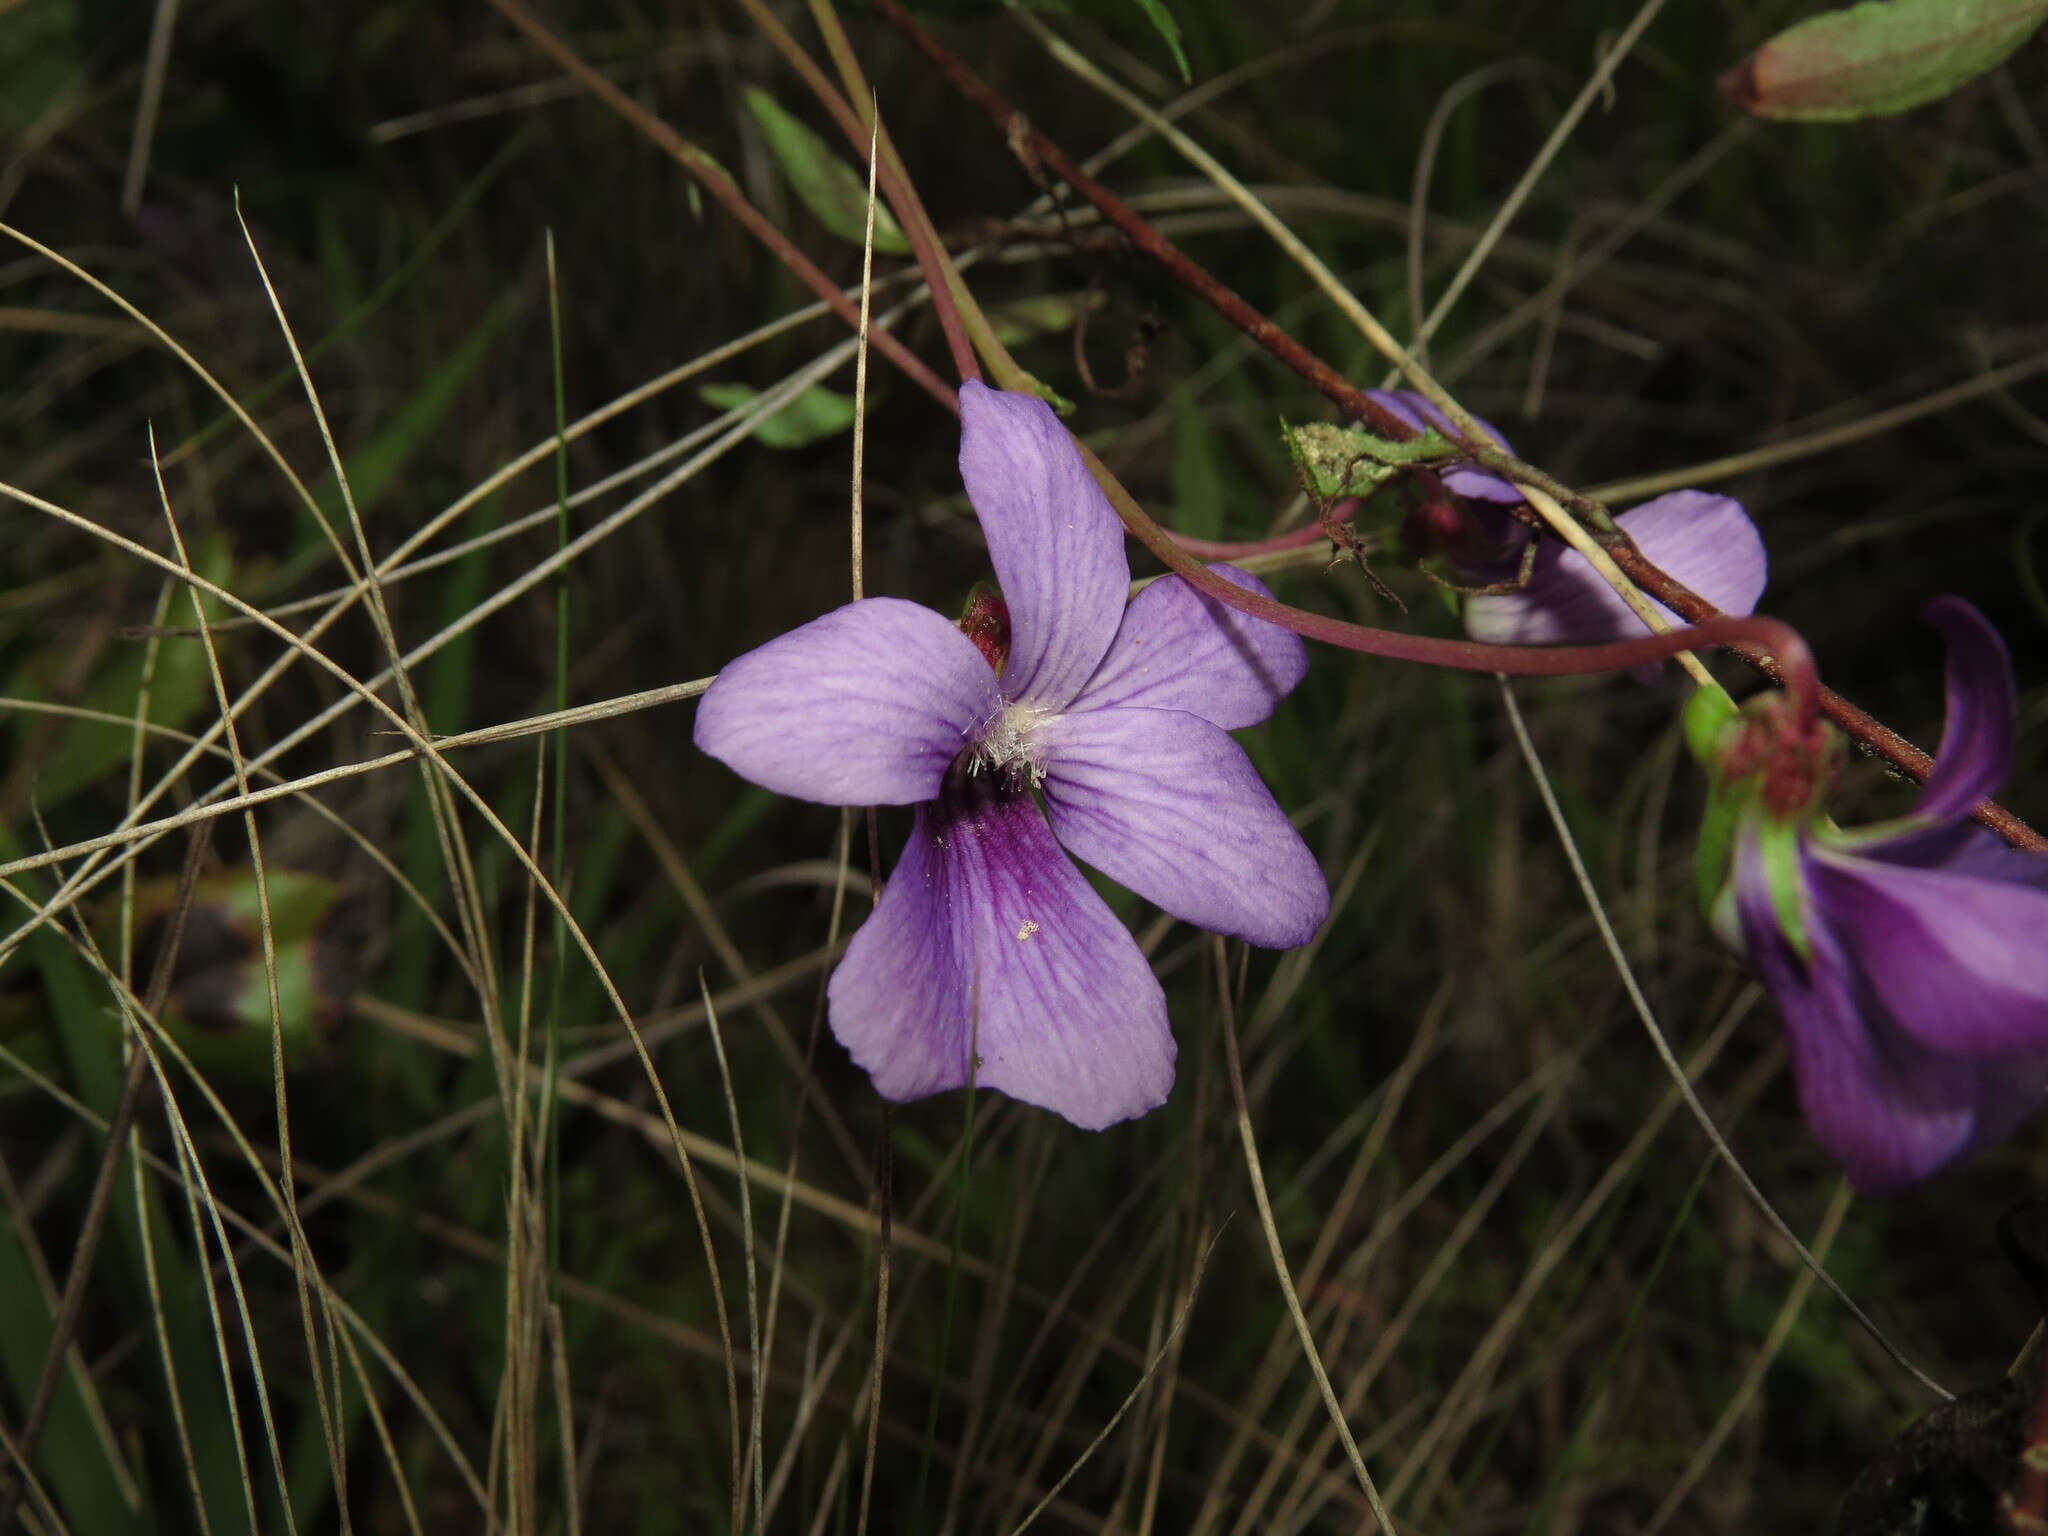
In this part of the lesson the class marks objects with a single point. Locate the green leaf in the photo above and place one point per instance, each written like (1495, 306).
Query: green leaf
(1710, 715)
(814, 415)
(834, 192)
(1879, 57)
(1023, 320)
(1162, 19)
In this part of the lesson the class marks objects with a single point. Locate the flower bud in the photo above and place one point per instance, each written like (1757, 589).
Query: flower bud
(986, 621)
(1789, 768)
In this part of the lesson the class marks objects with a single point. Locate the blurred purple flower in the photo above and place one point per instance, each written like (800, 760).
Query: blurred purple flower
(989, 957)
(1912, 966)
(1706, 541)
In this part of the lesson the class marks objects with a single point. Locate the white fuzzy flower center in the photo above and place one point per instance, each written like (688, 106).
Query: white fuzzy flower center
(1008, 743)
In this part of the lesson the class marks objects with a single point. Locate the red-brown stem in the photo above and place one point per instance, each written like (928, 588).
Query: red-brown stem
(1229, 549)
(895, 187)
(1036, 149)
(713, 179)
(1794, 659)
(1858, 724)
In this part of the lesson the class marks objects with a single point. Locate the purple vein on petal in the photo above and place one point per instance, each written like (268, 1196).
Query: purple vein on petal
(1708, 542)
(1167, 804)
(1890, 1110)
(1978, 731)
(988, 941)
(1178, 649)
(866, 705)
(1056, 543)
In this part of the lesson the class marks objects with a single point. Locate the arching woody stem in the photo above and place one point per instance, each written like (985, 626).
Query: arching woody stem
(1792, 659)
(1036, 150)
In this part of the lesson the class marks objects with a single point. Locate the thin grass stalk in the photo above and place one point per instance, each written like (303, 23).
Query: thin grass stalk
(1279, 1257)
(331, 1426)
(1625, 973)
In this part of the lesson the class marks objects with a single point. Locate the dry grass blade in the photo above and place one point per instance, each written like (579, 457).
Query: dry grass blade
(302, 1250)
(1759, 1364)
(489, 735)
(1596, 83)
(1279, 1256)
(747, 1444)
(1680, 1079)
(98, 1204)
(1555, 517)
(1159, 1358)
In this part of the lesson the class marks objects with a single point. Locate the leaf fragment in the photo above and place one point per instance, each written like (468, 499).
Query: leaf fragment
(1169, 30)
(835, 193)
(1879, 57)
(814, 415)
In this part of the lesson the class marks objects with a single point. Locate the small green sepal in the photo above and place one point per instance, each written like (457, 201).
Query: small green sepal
(1781, 846)
(1709, 716)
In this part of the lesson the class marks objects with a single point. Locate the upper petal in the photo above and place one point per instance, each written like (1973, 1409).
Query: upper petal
(1179, 649)
(1977, 733)
(1418, 411)
(1055, 541)
(1706, 541)
(1961, 848)
(1887, 1108)
(987, 941)
(1961, 962)
(1167, 804)
(865, 705)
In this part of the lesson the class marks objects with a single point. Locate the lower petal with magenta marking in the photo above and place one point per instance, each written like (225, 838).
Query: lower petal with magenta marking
(989, 943)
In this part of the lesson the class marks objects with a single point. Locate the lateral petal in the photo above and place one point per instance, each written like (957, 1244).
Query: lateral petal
(1166, 803)
(866, 705)
(1887, 1108)
(1978, 731)
(988, 941)
(1056, 543)
(1179, 649)
(1961, 962)
(1706, 541)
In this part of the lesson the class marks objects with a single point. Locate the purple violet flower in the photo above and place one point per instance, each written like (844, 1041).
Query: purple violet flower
(1910, 960)
(989, 958)
(1706, 541)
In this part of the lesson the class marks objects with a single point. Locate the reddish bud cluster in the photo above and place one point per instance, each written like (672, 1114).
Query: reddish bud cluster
(986, 621)
(1793, 761)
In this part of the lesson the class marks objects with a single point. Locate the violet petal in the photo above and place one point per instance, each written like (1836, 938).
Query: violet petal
(866, 705)
(1057, 545)
(1167, 804)
(1179, 649)
(1977, 733)
(1887, 1108)
(1960, 848)
(988, 941)
(1960, 962)
(1706, 541)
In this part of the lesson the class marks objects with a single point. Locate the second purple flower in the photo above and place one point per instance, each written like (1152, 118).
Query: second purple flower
(1705, 540)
